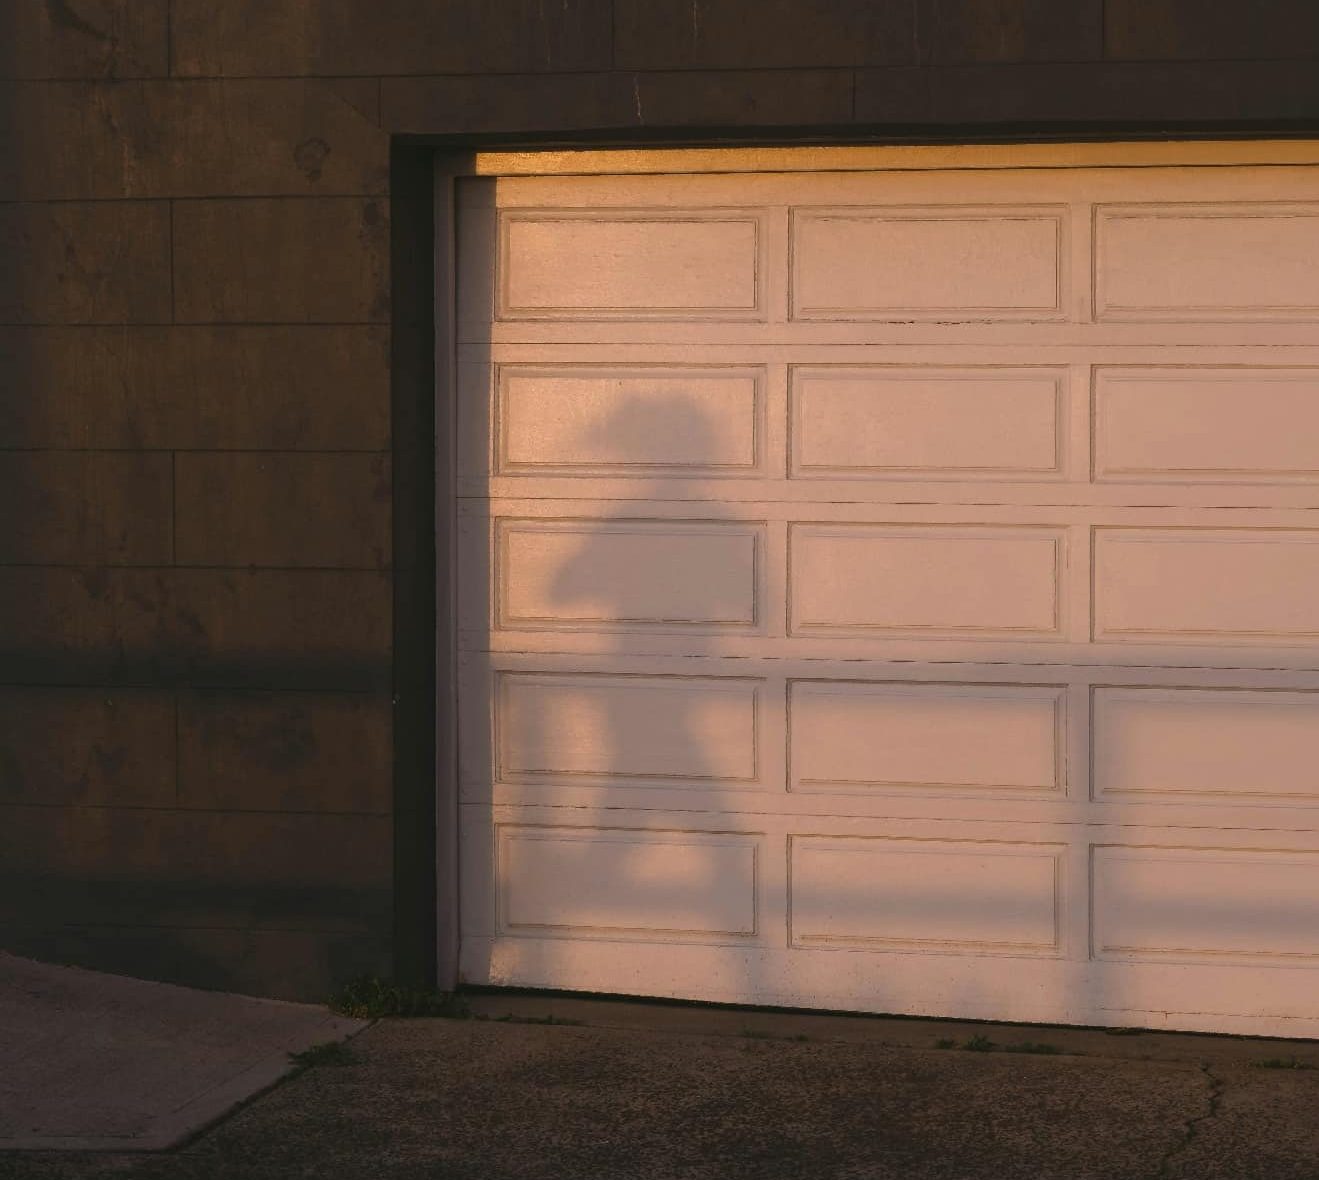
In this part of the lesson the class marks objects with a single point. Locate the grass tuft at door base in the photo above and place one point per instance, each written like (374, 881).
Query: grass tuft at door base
(370, 998)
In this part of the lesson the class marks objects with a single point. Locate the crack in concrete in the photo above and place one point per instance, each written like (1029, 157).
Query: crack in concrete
(1191, 1127)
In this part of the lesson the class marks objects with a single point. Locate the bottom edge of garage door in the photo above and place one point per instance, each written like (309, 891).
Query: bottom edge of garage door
(994, 988)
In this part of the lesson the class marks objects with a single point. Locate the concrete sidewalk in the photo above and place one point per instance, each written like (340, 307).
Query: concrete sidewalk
(99, 1062)
(641, 1091)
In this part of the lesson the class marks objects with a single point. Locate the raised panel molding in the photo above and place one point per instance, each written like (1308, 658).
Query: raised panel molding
(881, 738)
(928, 262)
(1205, 745)
(1191, 584)
(587, 882)
(602, 730)
(935, 581)
(1248, 261)
(888, 421)
(1198, 904)
(627, 420)
(1204, 424)
(957, 896)
(621, 264)
(610, 574)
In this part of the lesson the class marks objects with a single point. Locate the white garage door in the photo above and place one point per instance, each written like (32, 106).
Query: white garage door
(895, 591)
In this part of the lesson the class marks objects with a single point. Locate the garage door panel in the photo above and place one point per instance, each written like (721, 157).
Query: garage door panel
(1186, 903)
(931, 895)
(681, 731)
(1223, 745)
(642, 426)
(1224, 586)
(946, 739)
(1208, 424)
(625, 264)
(936, 422)
(610, 573)
(898, 915)
(979, 741)
(941, 581)
(1249, 261)
(608, 882)
(629, 420)
(874, 263)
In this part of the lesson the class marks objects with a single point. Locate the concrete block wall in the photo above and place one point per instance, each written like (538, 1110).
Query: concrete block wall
(195, 557)
(212, 563)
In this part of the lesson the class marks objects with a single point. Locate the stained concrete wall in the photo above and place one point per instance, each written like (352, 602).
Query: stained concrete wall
(214, 604)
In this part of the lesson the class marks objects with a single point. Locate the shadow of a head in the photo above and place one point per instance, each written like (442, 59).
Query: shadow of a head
(664, 445)
(657, 432)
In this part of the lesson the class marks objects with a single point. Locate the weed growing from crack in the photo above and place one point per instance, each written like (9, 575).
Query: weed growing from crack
(370, 998)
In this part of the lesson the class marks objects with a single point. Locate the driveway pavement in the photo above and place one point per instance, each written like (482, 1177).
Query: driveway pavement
(100, 1062)
(642, 1091)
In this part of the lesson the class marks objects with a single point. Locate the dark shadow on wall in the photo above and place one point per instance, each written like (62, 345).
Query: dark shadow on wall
(15, 380)
(103, 863)
(88, 869)
(262, 956)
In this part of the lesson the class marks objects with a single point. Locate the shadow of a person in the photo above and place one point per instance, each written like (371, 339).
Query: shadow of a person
(632, 725)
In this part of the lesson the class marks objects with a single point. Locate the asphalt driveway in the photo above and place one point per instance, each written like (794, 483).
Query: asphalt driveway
(522, 1090)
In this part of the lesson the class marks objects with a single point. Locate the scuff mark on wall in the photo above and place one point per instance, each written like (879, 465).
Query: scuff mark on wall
(310, 156)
